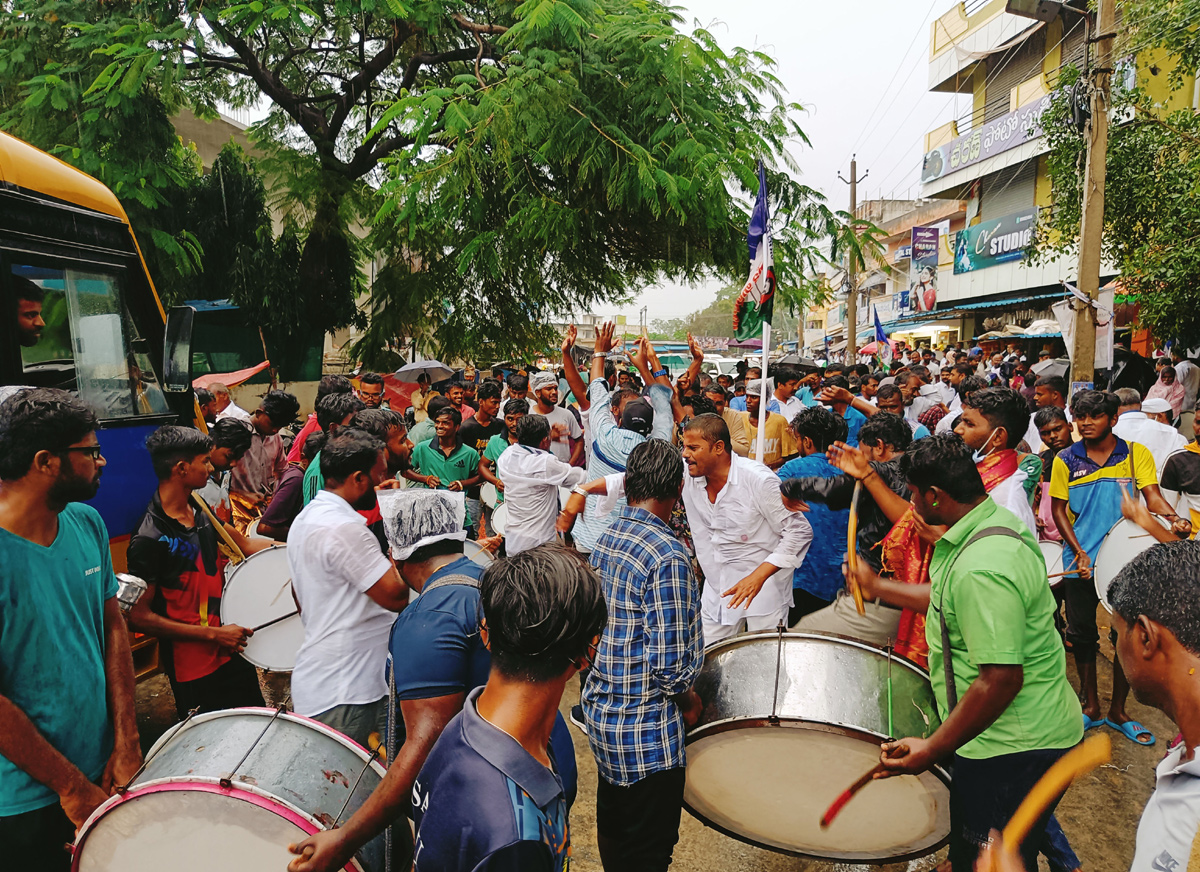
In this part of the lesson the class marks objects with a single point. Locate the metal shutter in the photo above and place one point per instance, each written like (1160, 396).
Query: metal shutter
(1008, 191)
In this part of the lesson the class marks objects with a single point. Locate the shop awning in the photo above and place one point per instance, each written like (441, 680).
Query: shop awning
(999, 304)
(838, 346)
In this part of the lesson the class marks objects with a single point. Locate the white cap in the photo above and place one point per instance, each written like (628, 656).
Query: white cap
(1156, 405)
(930, 391)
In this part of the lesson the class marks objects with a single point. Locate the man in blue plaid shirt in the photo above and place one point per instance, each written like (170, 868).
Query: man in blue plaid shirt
(638, 698)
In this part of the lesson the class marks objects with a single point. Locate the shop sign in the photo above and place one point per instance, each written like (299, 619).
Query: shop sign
(992, 243)
(988, 140)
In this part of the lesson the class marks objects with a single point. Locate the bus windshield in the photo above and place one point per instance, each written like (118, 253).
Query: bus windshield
(76, 334)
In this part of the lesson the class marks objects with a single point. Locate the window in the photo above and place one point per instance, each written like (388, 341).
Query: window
(85, 341)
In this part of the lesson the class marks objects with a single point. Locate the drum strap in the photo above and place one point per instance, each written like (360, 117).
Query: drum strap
(947, 660)
(451, 579)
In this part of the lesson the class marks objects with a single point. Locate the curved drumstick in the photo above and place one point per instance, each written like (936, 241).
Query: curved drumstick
(852, 552)
(1079, 761)
(846, 795)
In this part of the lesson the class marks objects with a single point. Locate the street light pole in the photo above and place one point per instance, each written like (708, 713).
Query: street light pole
(1091, 230)
(851, 266)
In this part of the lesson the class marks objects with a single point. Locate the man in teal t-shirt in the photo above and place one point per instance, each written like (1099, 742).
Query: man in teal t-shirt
(64, 649)
(498, 444)
(444, 463)
(1014, 713)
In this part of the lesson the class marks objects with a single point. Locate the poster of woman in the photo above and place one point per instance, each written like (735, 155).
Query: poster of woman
(922, 289)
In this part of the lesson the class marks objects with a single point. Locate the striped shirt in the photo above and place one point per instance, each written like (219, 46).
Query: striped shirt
(611, 445)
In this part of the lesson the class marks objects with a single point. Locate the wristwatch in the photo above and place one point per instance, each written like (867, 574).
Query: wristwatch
(578, 489)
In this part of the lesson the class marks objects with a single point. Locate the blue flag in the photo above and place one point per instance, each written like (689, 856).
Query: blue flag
(883, 348)
(755, 303)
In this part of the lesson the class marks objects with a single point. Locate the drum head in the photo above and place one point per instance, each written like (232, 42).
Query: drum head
(188, 830)
(1125, 541)
(488, 494)
(258, 590)
(477, 553)
(756, 782)
(252, 530)
(499, 517)
(1052, 553)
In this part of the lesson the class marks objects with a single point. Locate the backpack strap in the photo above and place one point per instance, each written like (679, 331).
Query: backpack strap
(456, 578)
(947, 660)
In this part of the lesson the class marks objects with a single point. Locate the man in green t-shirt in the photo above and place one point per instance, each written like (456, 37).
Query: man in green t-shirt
(444, 463)
(334, 411)
(514, 410)
(1008, 712)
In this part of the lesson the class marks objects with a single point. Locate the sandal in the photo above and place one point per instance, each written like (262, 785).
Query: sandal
(1132, 731)
(1090, 724)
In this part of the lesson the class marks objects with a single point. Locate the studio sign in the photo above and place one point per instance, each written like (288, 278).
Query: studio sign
(992, 243)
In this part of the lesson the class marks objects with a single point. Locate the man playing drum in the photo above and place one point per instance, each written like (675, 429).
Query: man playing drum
(347, 591)
(68, 730)
(1085, 488)
(638, 698)
(437, 658)
(1156, 613)
(174, 550)
(991, 639)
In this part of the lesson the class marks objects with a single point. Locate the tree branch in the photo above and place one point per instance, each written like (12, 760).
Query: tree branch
(371, 70)
(466, 24)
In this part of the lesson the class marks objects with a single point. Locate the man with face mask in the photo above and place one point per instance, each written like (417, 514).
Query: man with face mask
(347, 591)
(993, 422)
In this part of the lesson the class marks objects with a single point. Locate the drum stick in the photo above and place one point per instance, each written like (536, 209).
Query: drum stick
(846, 795)
(852, 551)
(1077, 762)
(1061, 574)
(221, 531)
(275, 621)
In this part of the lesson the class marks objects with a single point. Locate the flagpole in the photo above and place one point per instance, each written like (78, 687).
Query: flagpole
(764, 397)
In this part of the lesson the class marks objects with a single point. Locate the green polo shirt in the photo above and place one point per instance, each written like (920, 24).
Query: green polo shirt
(496, 446)
(1000, 611)
(313, 482)
(463, 463)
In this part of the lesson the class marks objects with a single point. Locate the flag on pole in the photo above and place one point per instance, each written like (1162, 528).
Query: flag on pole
(883, 346)
(757, 300)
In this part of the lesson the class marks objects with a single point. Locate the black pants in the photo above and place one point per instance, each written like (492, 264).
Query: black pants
(1080, 595)
(37, 839)
(637, 826)
(232, 685)
(983, 796)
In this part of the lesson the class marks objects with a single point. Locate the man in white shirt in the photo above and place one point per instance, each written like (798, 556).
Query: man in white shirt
(1156, 618)
(1135, 425)
(347, 591)
(532, 477)
(226, 407)
(1188, 375)
(994, 421)
(564, 428)
(747, 542)
(787, 387)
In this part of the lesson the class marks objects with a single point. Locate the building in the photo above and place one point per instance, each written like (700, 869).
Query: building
(993, 160)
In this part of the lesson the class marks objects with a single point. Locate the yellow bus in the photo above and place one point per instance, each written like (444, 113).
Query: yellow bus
(66, 248)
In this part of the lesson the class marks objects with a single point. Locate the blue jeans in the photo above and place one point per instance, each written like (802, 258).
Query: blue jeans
(984, 794)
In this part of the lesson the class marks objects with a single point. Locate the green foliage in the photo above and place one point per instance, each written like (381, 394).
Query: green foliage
(530, 159)
(716, 319)
(1152, 197)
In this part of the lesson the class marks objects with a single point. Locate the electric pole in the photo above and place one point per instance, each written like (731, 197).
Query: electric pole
(851, 266)
(1091, 229)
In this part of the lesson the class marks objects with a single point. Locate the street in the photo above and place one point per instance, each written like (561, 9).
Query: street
(1099, 814)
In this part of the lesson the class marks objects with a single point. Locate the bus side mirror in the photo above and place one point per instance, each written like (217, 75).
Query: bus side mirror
(177, 350)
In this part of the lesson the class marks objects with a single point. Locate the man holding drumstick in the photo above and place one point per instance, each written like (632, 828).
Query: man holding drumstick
(997, 669)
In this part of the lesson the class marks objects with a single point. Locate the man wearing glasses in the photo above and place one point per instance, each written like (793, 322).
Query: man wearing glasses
(64, 743)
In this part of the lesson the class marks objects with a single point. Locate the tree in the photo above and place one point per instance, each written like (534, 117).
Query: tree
(531, 159)
(1153, 174)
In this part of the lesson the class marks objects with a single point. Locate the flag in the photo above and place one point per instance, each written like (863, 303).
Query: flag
(883, 346)
(757, 300)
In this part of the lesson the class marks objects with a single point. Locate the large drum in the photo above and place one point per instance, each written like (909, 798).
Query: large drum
(1125, 541)
(258, 594)
(499, 519)
(231, 790)
(1052, 553)
(791, 720)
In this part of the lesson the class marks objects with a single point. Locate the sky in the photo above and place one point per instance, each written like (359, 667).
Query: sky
(860, 68)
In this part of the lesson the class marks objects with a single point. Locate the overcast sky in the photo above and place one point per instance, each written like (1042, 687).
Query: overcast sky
(860, 67)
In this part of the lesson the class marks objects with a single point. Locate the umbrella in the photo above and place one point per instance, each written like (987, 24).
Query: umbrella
(1058, 367)
(796, 360)
(871, 347)
(435, 369)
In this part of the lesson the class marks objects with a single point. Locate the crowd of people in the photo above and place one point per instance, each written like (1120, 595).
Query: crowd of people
(643, 524)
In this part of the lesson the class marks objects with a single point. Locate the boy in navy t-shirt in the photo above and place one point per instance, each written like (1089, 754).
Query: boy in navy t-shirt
(490, 796)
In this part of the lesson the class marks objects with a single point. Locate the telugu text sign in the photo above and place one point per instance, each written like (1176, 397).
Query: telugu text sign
(990, 139)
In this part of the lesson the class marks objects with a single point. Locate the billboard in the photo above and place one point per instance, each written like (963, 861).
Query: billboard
(923, 269)
(992, 243)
